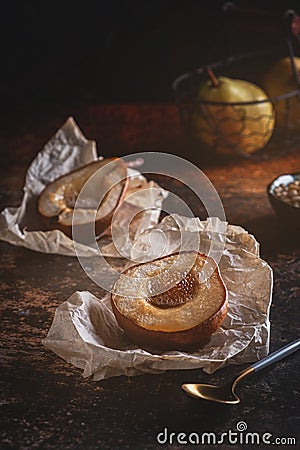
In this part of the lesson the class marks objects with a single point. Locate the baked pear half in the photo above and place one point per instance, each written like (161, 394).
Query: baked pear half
(104, 179)
(172, 303)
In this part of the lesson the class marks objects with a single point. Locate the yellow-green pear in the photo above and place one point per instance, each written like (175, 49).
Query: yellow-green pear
(245, 127)
(280, 80)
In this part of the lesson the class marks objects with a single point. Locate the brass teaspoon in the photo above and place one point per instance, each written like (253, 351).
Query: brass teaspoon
(225, 393)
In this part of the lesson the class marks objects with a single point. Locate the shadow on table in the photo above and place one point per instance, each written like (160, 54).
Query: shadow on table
(274, 234)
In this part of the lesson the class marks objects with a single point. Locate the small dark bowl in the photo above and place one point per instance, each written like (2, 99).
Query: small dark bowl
(283, 209)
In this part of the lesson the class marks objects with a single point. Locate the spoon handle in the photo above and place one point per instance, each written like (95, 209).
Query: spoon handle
(277, 355)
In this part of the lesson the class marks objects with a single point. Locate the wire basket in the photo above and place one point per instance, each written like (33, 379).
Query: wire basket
(245, 126)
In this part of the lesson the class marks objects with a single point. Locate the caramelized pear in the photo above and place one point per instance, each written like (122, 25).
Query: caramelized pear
(172, 303)
(107, 181)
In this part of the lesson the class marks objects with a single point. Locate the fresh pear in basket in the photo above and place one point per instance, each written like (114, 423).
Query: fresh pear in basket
(280, 80)
(244, 127)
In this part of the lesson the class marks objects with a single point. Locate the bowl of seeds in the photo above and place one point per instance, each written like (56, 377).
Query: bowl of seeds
(284, 195)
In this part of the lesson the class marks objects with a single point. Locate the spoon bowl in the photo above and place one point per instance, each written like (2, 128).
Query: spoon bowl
(220, 394)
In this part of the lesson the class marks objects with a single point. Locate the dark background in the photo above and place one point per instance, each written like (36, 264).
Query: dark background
(118, 51)
(60, 59)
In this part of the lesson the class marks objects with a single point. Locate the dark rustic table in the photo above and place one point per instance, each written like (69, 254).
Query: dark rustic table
(45, 402)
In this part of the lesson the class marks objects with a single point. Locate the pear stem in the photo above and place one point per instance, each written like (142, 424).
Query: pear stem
(213, 78)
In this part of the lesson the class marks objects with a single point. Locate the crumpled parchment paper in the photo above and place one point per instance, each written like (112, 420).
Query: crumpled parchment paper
(85, 333)
(67, 150)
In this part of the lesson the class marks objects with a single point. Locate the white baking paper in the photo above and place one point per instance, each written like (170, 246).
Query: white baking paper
(67, 150)
(85, 333)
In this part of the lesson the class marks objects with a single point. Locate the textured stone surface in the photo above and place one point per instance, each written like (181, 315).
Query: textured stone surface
(45, 403)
